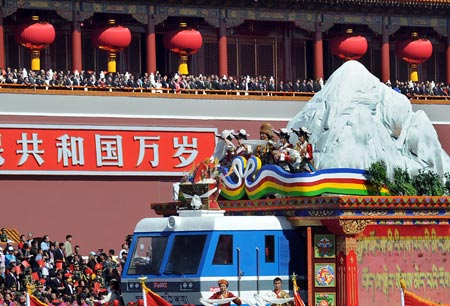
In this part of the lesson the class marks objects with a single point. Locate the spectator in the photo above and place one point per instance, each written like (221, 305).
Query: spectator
(58, 255)
(45, 244)
(123, 254)
(29, 238)
(9, 256)
(67, 248)
(92, 260)
(12, 279)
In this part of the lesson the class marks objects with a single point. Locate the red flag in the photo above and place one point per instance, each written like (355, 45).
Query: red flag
(153, 299)
(34, 301)
(297, 298)
(25, 264)
(413, 300)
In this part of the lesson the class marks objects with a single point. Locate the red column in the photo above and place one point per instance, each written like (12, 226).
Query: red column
(2, 43)
(151, 45)
(385, 60)
(223, 52)
(448, 54)
(318, 53)
(77, 62)
(347, 273)
(310, 265)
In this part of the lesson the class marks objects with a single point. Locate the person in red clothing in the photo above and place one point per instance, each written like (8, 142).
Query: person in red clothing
(225, 294)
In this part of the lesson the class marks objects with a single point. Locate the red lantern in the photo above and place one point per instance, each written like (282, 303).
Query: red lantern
(349, 46)
(183, 42)
(35, 36)
(414, 51)
(113, 38)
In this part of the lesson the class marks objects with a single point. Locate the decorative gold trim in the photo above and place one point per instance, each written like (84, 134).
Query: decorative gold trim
(351, 227)
(426, 213)
(374, 213)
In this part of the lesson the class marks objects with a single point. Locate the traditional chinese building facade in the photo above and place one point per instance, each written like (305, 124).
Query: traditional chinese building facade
(284, 39)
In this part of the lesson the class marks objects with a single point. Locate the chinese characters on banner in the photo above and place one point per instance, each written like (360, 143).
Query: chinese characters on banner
(99, 150)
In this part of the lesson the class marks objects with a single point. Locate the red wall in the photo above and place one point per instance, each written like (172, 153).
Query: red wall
(417, 253)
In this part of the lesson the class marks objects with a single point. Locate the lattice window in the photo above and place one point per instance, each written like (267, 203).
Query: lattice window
(247, 58)
(13, 52)
(428, 71)
(375, 58)
(265, 61)
(232, 57)
(101, 60)
(132, 56)
(441, 64)
(299, 60)
(60, 52)
(211, 58)
(173, 63)
(89, 52)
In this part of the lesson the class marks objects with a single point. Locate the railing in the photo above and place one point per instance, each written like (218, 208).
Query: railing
(430, 97)
(155, 90)
(180, 93)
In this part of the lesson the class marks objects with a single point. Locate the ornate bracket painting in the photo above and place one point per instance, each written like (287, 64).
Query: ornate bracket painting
(325, 275)
(324, 246)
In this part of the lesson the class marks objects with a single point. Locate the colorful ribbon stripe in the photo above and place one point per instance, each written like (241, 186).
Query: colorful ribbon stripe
(251, 180)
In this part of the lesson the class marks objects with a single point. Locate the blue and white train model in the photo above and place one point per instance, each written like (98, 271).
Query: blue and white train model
(184, 256)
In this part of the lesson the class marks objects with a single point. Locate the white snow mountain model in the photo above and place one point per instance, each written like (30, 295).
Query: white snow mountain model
(356, 120)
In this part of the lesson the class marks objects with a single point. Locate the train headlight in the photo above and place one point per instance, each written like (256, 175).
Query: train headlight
(133, 286)
(172, 222)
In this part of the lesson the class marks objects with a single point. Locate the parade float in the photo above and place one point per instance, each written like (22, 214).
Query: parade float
(348, 244)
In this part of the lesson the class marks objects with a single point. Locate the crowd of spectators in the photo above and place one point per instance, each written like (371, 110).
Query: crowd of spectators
(411, 89)
(57, 273)
(164, 83)
(175, 83)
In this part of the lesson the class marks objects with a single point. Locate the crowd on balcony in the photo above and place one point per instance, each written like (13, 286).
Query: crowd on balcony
(58, 273)
(428, 88)
(158, 82)
(175, 83)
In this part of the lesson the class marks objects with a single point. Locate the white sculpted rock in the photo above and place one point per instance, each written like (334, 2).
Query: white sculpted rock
(355, 120)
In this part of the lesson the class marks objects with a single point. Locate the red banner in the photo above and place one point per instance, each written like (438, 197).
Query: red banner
(418, 254)
(99, 150)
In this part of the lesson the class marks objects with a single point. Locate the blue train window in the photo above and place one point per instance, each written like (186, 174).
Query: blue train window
(270, 248)
(185, 254)
(224, 251)
(147, 255)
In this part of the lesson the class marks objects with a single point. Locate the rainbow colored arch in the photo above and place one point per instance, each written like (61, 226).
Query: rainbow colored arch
(249, 178)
